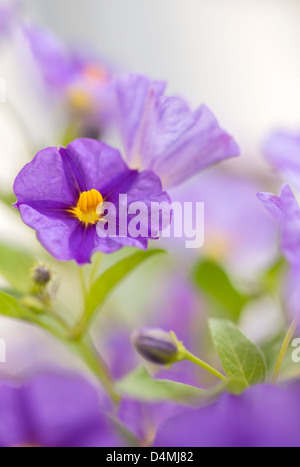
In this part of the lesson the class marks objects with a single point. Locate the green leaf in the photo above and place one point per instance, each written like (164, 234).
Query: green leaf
(15, 267)
(112, 276)
(139, 385)
(273, 276)
(215, 283)
(241, 359)
(12, 308)
(9, 306)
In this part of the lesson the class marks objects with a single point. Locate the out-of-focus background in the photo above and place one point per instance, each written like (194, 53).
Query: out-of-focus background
(241, 58)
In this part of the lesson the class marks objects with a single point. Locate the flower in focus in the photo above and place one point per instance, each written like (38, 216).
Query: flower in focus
(51, 410)
(162, 134)
(59, 194)
(263, 416)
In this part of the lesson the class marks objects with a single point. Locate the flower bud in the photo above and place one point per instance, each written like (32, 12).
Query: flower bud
(41, 275)
(155, 345)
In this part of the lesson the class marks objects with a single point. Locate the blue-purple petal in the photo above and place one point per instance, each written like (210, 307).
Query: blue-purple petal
(54, 410)
(282, 151)
(263, 416)
(49, 187)
(162, 134)
(44, 179)
(286, 211)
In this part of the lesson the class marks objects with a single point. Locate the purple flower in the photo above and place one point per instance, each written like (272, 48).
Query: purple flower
(60, 191)
(282, 151)
(166, 311)
(286, 211)
(8, 11)
(78, 77)
(232, 215)
(162, 134)
(263, 416)
(56, 65)
(174, 294)
(142, 418)
(52, 410)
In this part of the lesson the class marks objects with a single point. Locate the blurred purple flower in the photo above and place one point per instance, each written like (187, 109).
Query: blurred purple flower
(162, 134)
(56, 65)
(143, 419)
(231, 214)
(263, 416)
(8, 12)
(286, 211)
(52, 410)
(282, 151)
(176, 307)
(59, 192)
(76, 76)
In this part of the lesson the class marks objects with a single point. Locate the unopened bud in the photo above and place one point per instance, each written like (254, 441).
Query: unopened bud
(41, 275)
(156, 345)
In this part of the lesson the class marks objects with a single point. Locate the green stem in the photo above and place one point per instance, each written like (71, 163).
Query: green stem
(192, 358)
(95, 268)
(96, 365)
(284, 347)
(87, 353)
(83, 285)
(80, 328)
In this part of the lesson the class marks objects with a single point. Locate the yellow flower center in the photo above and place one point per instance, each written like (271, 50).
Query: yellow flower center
(86, 209)
(80, 99)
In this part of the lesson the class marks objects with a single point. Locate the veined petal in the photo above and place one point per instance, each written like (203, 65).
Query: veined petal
(135, 96)
(201, 145)
(162, 134)
(53, 233)
(93, 164)
(44, 179)
(145, 187)
(55, 197)
(83, 241)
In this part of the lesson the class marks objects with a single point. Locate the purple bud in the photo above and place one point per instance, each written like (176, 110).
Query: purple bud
(155, 345)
